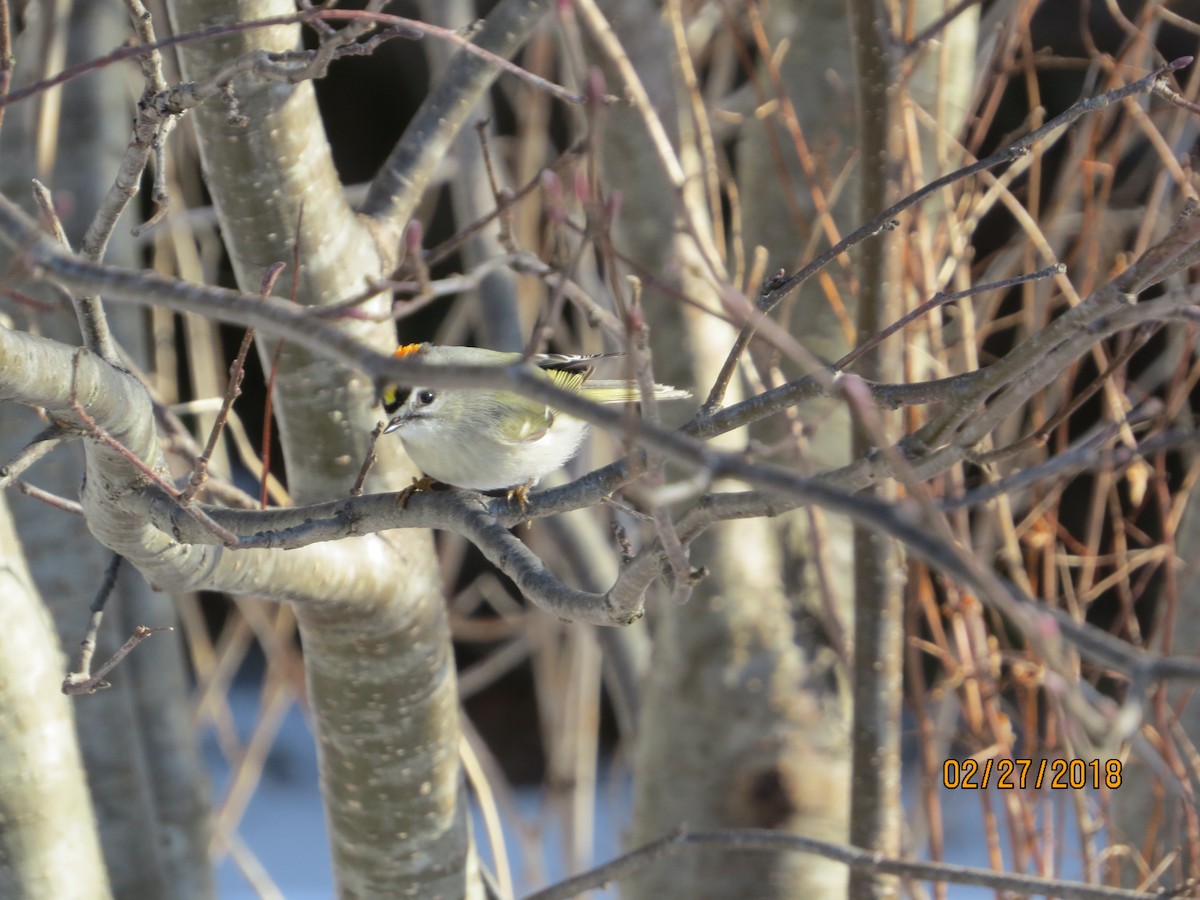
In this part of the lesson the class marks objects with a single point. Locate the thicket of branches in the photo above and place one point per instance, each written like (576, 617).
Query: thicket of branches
(929, 283)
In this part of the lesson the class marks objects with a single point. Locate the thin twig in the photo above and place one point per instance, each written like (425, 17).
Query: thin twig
(97, 682)
(6, 57)
(156, 85)
(504, 209)
(41, 444)
(60, 503)
(414, 235)
(639, 351)
(1085, 455)
(268, 403)
(930, 31)
(98, 433)
(45, 204)
(83, 674)
(778, 288)
(92, 321)
(939, 299)
(25, 300)
(1040, 435)
(465, 46)
(368, 460)
(233, 390)
(133, 51)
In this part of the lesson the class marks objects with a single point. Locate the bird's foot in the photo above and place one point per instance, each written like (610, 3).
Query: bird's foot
(521, 494)
(423, 483)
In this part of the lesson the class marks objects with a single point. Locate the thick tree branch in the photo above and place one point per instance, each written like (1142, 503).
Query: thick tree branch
(32, 370)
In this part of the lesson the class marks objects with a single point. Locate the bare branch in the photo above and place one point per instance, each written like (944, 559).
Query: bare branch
(97, 682)
(80, 681)
(778, 288)
(60, 503)
(763, 840)
(41, 444)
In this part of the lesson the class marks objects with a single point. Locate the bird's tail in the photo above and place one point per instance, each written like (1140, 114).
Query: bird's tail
(615, 391)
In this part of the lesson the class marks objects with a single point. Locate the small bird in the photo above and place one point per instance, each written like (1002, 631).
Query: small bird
(492, 439)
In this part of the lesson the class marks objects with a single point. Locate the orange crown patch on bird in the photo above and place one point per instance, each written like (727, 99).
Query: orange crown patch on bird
(394, 395)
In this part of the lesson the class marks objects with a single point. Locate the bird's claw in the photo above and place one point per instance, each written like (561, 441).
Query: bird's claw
(418, 484)
(521, 494)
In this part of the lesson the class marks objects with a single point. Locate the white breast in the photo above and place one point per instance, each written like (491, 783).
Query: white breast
(486, 464)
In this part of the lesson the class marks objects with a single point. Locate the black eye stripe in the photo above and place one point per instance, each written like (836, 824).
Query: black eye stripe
(394, 399)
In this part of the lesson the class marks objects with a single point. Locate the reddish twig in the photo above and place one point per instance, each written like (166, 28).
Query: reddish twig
(267, 413)
(233, 390)
(398, 26)
(465, 46)
(132, 51)
(26, 300)
(778, 288)
(501, 195)
(93, 429)
(60, 503)
(1140, 337)
(269, 404)
(6, 57)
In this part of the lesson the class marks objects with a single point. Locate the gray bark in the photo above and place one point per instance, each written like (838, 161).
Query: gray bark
(49, 843)
(744, 721)
(733, 728)
(143, 765)
(380, 669)
(875, 812)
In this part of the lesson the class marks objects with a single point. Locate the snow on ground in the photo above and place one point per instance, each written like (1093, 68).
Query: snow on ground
(284, 825)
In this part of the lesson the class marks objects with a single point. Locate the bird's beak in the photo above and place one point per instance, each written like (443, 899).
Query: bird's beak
(393, 425)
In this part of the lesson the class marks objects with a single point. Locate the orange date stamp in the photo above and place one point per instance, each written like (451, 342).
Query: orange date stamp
(1020, 774)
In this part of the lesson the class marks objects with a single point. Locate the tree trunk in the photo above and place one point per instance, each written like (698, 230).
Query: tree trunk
(147, 780)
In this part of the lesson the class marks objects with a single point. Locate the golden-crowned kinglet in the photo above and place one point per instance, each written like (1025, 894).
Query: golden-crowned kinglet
(489, 439)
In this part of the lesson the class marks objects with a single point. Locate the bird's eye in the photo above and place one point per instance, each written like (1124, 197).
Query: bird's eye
(426, 397)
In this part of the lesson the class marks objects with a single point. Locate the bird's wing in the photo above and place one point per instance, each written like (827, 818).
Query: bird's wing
(528, 422)
(569, 374)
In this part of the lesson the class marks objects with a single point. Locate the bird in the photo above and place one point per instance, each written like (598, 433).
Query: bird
(488, 439)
